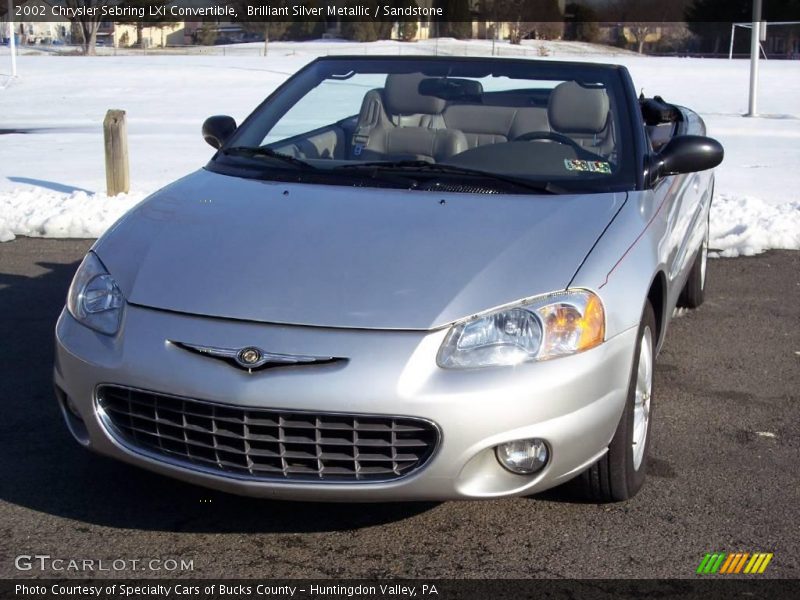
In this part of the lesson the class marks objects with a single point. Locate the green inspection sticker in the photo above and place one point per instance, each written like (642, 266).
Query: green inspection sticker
(588, 166)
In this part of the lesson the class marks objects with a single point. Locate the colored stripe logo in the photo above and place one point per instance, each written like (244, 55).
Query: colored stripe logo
(734, 563)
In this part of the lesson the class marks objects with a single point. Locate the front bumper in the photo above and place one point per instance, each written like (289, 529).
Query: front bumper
(573, 403)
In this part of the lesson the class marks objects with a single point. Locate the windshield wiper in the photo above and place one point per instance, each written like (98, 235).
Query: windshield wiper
(445, 169)
(258, 151)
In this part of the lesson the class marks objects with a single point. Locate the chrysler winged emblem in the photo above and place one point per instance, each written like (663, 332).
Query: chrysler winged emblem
(252, 358)
(247, 357)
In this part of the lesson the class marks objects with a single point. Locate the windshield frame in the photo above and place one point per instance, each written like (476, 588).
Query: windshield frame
(628, 177)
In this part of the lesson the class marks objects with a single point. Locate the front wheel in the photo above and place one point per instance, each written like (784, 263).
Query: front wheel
(620, 474)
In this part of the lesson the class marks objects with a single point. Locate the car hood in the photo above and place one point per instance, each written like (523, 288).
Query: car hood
(340, 256)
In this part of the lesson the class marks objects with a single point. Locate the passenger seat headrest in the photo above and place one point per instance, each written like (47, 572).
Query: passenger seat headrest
(573, 108)
(401, 96)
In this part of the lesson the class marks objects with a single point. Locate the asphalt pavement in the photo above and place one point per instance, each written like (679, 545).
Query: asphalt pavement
(723, 473)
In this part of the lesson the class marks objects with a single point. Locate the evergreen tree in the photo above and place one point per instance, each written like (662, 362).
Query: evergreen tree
(364, 31)
(710, 20)
(300, 30)
(456, 19)
(542, 18)
(581, 23)
(271, 30)
(360, 31)
(305, 30)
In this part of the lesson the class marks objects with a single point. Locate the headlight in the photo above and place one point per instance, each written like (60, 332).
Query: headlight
(538, 329)
(94, 298)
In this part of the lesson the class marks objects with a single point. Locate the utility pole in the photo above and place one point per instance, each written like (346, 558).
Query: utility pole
(11, 41)
(755, 39)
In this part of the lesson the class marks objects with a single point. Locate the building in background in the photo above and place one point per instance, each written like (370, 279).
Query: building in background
(161, 35)
(35, 32)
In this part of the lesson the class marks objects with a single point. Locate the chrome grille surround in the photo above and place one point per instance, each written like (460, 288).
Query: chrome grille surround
(266, 444)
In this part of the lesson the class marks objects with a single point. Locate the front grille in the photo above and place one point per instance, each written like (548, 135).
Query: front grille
(268, 444)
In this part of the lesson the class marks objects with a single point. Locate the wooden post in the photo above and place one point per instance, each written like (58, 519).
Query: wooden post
(115, 132)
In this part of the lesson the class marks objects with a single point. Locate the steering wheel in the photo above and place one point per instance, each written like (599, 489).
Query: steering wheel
(533, 136)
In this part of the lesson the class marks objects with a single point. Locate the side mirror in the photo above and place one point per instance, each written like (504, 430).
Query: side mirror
(688, 154)
(217, 129)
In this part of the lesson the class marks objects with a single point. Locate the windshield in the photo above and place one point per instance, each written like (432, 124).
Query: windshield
(515, 125)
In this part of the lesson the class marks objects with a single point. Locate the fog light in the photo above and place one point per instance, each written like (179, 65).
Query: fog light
(523, 457)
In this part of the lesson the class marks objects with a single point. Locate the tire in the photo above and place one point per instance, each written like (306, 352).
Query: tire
(620, 474)
(694, 291)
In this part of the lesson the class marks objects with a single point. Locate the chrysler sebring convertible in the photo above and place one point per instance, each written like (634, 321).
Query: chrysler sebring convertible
(400, 278)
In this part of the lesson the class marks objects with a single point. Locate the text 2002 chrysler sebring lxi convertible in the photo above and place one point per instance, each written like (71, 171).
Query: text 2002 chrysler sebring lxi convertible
(400, 279)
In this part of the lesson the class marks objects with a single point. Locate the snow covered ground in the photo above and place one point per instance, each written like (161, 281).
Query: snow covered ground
(52, 178)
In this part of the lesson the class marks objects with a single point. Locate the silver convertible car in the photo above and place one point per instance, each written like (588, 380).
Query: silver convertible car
(400, 278)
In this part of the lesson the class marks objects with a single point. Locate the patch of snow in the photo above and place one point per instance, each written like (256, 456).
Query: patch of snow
(745, 226)
(35, 212)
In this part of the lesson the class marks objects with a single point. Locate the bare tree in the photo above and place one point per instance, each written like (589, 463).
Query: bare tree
(644, 18)
(88, 24)
(640, 31)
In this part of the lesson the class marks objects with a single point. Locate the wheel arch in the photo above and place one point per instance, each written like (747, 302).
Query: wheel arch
(657, 296)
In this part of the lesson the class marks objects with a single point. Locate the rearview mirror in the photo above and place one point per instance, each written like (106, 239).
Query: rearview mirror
(217, 129)
(688, 154)
(452, 89)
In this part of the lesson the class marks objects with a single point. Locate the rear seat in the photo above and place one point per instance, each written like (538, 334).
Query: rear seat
(399, 123)
(578, 112)
(483, 124)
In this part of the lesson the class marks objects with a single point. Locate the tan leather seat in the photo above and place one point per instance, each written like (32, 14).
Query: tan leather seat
(483, 124)
(399, 123)
(582, 114)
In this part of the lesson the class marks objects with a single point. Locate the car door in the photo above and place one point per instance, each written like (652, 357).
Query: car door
(682, 198)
